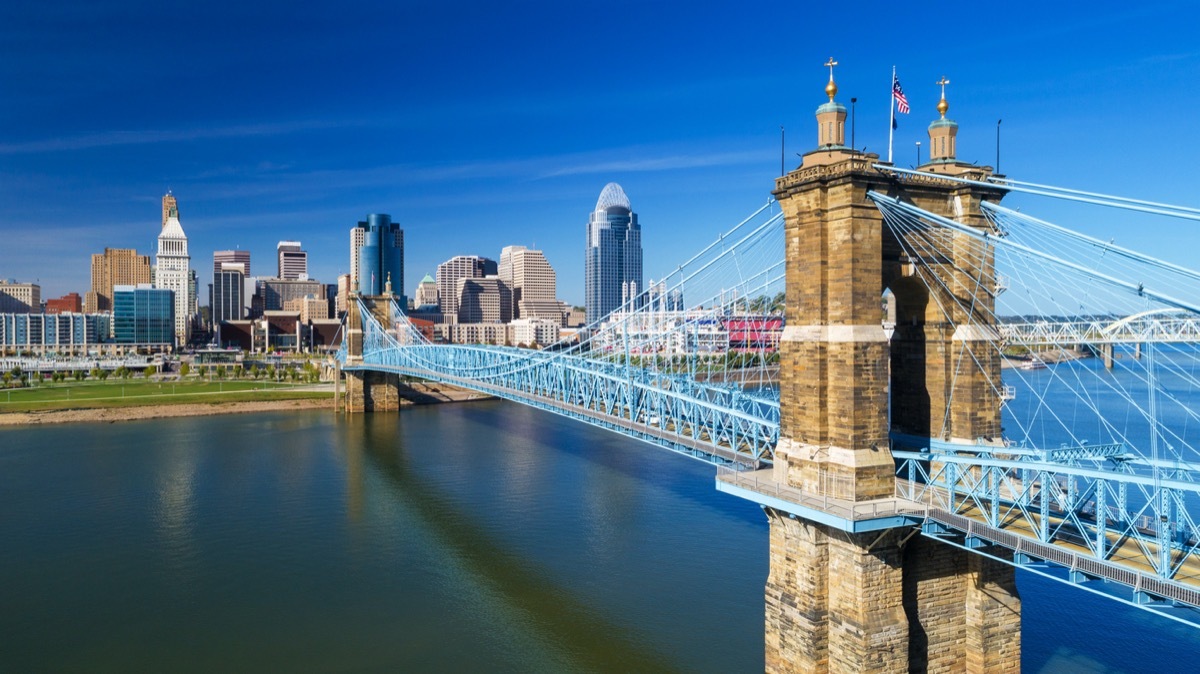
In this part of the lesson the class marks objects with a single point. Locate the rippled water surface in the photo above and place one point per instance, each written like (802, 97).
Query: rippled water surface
(473, 537)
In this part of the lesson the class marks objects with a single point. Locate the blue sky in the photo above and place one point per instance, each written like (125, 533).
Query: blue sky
(479, 125)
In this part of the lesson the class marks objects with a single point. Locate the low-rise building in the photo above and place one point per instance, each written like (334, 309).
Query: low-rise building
(473, 333)
(71, 303)
(533, 331)
(64, 333)
(427, 293)
(324, 335)
(576, 317)
(282, 331)
(275, 293)
(310, 308)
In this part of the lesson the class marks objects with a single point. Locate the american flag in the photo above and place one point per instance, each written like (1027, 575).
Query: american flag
(898, 94)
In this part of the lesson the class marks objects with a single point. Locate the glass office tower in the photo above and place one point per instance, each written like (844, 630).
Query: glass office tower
(613, 262)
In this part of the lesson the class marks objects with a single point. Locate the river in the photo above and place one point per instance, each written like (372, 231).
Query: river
(484, 536)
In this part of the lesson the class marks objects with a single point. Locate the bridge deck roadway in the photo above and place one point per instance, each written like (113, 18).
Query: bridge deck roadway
(1125, 563)
(666, 435)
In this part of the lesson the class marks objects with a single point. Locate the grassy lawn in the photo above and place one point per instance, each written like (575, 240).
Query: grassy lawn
(90, 395)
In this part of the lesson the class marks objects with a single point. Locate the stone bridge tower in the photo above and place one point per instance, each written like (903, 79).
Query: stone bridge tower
(845, 595)
(367, 390)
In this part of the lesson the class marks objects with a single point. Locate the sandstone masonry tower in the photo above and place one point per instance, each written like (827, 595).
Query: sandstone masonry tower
(368, 390)
(844, 595)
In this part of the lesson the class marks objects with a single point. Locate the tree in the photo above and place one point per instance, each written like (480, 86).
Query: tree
(7, 378)
(95, 373)
(254, 372)
(239, 371)
(104, 375)
(78, 375)
(220, 372)
(150, 370)
(184, 369)
(271, 371)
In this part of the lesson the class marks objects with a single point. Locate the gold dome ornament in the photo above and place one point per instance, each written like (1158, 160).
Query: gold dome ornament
(831, 88)
(942, 105)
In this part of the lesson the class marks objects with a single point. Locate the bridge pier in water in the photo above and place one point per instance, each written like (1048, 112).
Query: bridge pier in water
(854, 587)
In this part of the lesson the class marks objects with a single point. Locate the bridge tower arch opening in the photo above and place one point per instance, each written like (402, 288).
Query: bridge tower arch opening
(848, 591)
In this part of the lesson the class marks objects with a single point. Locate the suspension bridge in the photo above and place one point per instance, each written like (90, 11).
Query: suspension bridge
(879, 404)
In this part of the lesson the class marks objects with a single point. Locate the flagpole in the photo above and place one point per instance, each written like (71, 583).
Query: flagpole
(892, 125)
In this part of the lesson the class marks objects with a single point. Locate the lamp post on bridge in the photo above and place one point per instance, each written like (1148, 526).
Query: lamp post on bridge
(852, 118)
(918, 154)
(998, 145)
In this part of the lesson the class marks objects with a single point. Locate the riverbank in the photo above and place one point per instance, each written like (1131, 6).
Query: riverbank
(161, 411)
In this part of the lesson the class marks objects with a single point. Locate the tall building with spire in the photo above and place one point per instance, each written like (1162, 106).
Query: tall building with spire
(168, 204)
(613, 255)
(173, 272)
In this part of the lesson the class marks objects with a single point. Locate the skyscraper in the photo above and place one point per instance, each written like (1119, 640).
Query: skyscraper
(459, 266)
(115, 266)
(533, 281)
(228, 286)
(293, 261)
(242, 257)
(483, 300)
(613, 255)
(358, 236)
(173, 272)
(377, 252)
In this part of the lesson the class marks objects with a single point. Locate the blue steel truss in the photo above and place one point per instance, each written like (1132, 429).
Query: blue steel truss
(1120, 514)
(719, 424)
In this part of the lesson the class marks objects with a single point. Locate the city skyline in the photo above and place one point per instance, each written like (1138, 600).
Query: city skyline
(510, 151)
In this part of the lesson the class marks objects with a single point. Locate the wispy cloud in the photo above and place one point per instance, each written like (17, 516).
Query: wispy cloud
(149, 136)
(252, 183)
(665, 163)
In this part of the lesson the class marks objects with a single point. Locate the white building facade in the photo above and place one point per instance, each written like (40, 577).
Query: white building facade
(173, 272)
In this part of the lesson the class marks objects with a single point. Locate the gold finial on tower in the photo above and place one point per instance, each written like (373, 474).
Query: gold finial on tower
(831, 88)
(942, 105)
